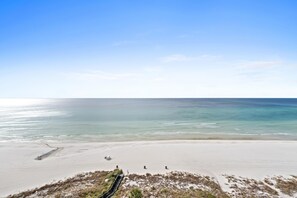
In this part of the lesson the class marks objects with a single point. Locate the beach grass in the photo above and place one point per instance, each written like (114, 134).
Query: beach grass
(102, 187)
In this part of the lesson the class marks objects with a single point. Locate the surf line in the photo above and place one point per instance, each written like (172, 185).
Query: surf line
(51, 152)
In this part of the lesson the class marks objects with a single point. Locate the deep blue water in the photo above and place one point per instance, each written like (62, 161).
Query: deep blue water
(141, 119)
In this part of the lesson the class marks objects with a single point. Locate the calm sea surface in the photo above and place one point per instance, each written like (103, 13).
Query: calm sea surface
(145, 119)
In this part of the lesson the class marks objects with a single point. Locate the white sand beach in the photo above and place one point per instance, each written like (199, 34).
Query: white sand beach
(255, 159)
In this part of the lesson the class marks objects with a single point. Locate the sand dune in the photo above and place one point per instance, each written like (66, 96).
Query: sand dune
(254, 159)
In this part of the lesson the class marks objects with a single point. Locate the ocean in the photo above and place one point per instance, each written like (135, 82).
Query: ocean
(102, 120)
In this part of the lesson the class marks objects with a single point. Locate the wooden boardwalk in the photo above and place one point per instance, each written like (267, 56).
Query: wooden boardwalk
(114, 187)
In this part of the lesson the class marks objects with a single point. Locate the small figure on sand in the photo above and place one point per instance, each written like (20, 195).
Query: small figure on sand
(107, 158)
(144, 167)
(166, 167)
(117, 167)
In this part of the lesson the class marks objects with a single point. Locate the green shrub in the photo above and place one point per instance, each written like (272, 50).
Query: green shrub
(135, 193)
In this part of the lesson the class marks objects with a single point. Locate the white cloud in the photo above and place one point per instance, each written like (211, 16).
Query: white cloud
(204, 76)
(176, 58)
(184, 58)
(259, 70)
(101, 75)
(260, 64)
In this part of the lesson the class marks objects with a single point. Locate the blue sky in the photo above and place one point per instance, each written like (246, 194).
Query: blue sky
(149, 48)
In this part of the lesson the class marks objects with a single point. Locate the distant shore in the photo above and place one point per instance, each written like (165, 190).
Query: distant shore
(247, 158)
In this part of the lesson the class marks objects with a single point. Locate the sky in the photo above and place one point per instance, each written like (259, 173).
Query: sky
(148, 48)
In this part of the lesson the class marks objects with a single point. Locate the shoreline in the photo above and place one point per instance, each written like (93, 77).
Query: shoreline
(163, 137)
(247, 158)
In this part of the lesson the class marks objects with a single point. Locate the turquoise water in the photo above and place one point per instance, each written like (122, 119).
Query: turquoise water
(143, 119)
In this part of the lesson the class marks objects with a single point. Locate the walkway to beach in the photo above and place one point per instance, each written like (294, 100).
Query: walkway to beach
(114, 187)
